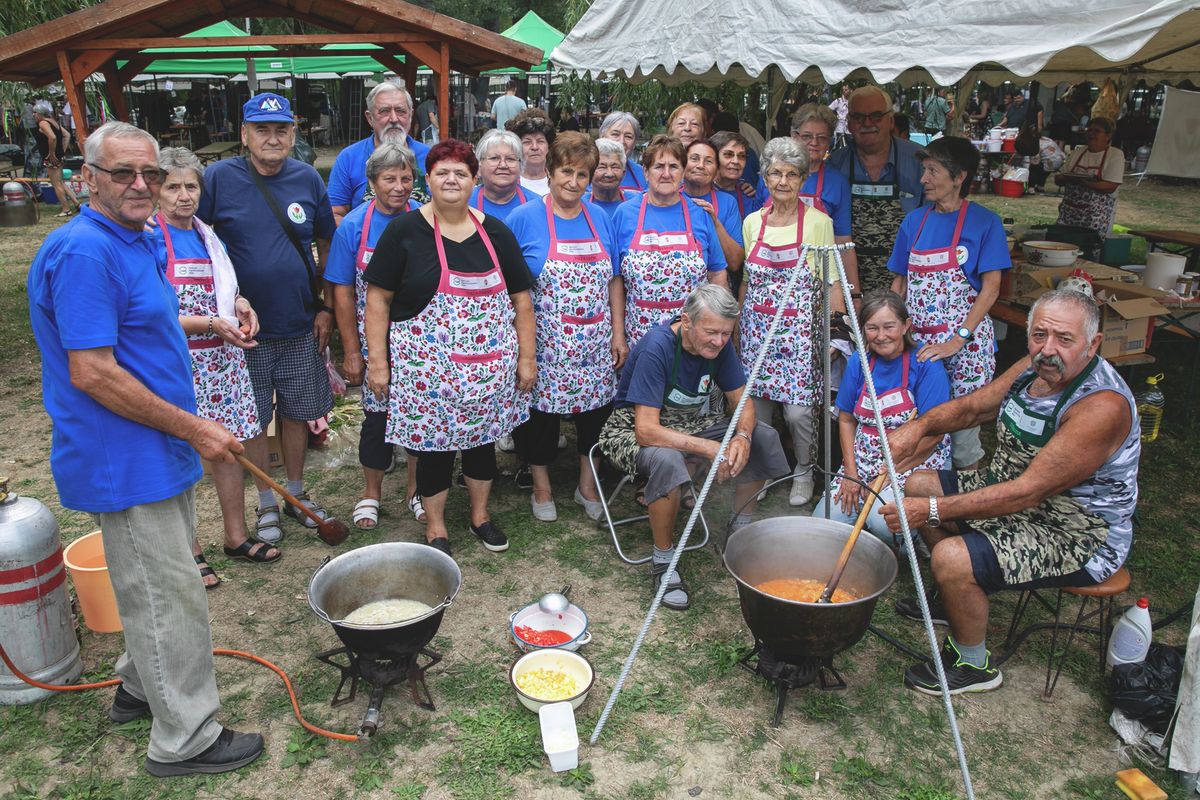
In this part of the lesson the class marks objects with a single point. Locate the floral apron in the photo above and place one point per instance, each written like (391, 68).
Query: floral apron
(814, 200)
(791, 371)
(682, 410)
(876, 212)
(574, 324)
(1086, 207)
(454, 365)
(660, 271)
(370, 403)
(897, 406)
(224, 393)
(939, 299)
(1059, 535)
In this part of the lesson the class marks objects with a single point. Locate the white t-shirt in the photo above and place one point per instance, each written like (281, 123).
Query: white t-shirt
(506, 107)
(539, 185)
(1082, 161)
(841, 107)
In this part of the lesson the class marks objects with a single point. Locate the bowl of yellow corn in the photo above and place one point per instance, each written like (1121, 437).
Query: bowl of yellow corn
(548, 676)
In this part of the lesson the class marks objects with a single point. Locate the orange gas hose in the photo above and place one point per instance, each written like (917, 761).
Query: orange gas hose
(219, 651)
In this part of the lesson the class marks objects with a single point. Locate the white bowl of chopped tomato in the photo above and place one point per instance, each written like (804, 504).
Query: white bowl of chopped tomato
(533, 629)
(551, 675)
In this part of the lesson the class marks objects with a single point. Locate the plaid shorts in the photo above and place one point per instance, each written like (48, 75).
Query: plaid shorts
(293, 371)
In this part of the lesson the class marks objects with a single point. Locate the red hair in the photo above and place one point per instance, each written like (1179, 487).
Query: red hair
(452, 150)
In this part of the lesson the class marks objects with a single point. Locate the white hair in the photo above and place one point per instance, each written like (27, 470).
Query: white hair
(711, 298)
(388, 86)
(785, 150)
(93, 145)
(496, 138)
(173, 158)
(616, 118)
(1077, 300)
(611, 147)
(43, 107)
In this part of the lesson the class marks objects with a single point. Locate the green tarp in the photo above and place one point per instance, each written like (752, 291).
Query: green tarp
(536, 32)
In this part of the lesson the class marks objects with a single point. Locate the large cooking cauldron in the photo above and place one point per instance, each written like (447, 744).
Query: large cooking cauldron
(389, 571)
(806, 548)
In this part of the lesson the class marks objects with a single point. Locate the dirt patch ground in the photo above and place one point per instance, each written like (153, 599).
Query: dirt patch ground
(690, 722)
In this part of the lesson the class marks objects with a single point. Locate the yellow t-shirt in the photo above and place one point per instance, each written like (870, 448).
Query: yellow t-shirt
(818, 230)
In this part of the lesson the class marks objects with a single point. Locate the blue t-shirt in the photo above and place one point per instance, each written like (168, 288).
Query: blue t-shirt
(269, 270)
(669, 218)
(835, 194)
(340, 267)
(753, 166)
(520, 197)
(348, 178)
(927, 380)
(610, 207)
(186, 243)
(635, 177)
(528, 224)
(902, 162)
(982, 246)
(645, 377)
(727, 211)
(96, 284)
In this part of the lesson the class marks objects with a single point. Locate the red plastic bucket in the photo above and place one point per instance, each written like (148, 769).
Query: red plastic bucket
(1009, 188)
(1008, 146)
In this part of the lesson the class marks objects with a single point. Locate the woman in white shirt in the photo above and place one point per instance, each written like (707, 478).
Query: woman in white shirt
(1090, 179)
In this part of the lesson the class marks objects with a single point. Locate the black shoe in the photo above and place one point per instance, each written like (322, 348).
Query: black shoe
(492, 537)
(960, 676)
(909, 608)
(126, 708)
(440, 543)
(524, 477)
(231, 750)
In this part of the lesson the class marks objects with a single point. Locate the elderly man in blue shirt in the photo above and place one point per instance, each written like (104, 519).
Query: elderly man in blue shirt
(117, 383)
(389, 113)
(885, 183)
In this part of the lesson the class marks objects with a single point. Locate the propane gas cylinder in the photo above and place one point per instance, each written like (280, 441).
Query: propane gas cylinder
(37, 628)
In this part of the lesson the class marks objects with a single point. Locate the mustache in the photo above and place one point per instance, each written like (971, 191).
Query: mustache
(1056, 362)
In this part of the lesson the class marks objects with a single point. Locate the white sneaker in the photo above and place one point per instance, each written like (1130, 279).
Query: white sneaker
(802, 490)
(543, 512)
(592, 508)
(505, 444)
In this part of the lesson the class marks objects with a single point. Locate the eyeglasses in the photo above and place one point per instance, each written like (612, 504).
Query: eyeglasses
(809, 138)
(776, 175)
(399, 111)
(875, 116)
(508, 161)
(126, 177)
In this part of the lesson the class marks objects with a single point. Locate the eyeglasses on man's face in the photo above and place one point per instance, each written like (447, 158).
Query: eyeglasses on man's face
(875, 117)
(126, 176)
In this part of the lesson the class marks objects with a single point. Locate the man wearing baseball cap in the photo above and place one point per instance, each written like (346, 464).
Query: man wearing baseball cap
(268, 209)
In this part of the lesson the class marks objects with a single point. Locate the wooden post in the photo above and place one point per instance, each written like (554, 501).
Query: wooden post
(74, 97)
(443, 92)
(410, 76)
(116, 93)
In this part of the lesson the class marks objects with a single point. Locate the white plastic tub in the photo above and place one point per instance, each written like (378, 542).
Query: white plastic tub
(560, 739)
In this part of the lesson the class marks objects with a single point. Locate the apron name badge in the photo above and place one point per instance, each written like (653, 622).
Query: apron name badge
(474, 283)
(185, 270)
(578, 248)
(873, 189)
(650, 239)
(1027, 423)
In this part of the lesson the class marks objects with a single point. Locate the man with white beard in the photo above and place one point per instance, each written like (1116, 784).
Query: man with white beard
(389, 113)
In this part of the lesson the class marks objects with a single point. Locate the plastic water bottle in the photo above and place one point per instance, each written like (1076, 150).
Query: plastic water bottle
(1150, 403)
(1131, 636)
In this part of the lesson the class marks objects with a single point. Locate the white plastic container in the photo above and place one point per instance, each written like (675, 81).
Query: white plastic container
(1131, 636)
(560, 739)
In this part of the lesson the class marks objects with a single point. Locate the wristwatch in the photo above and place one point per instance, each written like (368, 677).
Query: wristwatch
(934, 520)
(965, 333)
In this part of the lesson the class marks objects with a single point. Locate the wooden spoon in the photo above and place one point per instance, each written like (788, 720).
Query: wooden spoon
(844, 558)
(331, 531)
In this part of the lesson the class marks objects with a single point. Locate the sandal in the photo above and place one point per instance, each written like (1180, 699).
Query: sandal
(268, 529)
(366, 511)
(675, 587)
(298, 515)
(417, 508)
(206, 571)
(254, 551)
(66, 213)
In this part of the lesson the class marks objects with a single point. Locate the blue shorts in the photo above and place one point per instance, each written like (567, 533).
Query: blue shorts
(986, 567)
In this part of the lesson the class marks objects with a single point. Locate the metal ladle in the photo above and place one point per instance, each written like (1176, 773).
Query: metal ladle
(555, 602)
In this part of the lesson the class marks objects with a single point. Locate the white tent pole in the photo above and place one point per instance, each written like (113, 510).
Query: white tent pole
(251, 69)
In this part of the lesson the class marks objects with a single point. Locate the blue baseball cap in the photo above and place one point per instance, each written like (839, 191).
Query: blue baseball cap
(267, 107)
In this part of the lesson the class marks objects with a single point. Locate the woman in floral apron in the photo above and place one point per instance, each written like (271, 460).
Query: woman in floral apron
(791, 373)
(448, 301)
(579, 305)
(1090, 179)
(623, 127)
(606, 192)
(905, 387)
(699, 176)
(219, 324)
(499, 192)
(668, 245)
(948, 258)
(390, 174)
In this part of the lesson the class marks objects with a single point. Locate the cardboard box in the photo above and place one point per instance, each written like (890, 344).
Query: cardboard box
(274, 451)
(1127, 313)
(1032, 281)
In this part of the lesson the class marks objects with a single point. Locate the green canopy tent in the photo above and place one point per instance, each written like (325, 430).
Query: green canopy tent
(536, 32)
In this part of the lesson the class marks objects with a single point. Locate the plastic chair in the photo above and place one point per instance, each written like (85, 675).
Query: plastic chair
(606, 502)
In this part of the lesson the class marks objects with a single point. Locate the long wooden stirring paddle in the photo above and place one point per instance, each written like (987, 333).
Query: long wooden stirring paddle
(844, 558)
(331, 531)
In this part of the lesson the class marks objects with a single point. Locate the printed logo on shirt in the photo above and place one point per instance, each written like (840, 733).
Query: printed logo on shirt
(578, 248)
(296, 214)
(961, 253)
(652, 239)
(474, 283)
(705, 385)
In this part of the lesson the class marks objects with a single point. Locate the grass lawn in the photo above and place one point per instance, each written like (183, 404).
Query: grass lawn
(689, 723)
